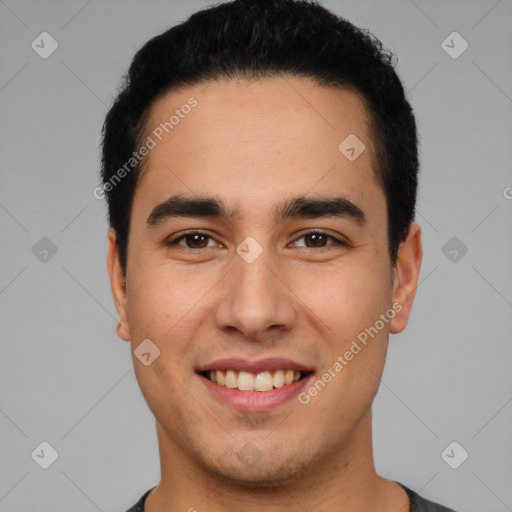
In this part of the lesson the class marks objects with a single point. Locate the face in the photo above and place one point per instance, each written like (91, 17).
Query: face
(257, 256)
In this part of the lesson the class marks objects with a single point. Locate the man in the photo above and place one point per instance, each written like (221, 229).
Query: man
(260, 166)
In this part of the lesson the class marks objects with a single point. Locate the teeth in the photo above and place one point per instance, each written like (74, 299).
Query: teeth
(263, 382)
(246, 381)
(219, 377)
(231, 379)
(278, 379)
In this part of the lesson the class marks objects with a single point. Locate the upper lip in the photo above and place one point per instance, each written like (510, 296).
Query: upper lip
(254, 366)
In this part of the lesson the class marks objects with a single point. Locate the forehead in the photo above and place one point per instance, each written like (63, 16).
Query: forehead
(257, 138)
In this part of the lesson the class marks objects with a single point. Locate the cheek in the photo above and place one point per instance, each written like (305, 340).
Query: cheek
(165, 392)
(167, 306)
(347, 298)
(162, 310)
(159, 300)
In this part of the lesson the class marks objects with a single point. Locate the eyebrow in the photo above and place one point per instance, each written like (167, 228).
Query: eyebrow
(296, 207)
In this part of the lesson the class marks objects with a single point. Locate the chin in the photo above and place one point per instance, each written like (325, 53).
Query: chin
(259, 478)
(272, 469)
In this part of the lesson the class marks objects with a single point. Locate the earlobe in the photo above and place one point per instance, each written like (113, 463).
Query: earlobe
(122, 332)
(117, 285)
(406, 274)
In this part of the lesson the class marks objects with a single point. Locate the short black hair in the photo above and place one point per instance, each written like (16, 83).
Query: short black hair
(256, 39)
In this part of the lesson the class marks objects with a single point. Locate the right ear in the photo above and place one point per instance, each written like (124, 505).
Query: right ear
(117, 285)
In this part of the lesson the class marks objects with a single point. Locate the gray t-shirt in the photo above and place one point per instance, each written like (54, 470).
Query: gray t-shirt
(418, 504)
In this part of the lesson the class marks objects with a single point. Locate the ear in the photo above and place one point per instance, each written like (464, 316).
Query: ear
(117, 285)
(405, 279)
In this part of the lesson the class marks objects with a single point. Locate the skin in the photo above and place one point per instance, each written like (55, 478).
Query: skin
(253, 144)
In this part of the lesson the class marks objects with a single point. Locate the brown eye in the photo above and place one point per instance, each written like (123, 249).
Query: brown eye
(196, 241)
(193, 240)
(317, 239)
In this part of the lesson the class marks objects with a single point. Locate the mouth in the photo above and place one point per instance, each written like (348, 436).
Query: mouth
(246, 381)
(254, 385)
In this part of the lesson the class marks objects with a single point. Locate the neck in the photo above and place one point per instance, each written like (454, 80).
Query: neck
(345, 480)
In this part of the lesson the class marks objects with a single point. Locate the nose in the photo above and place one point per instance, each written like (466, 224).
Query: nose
(255, 300)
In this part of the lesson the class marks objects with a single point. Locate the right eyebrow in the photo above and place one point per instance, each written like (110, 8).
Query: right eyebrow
(181, 206)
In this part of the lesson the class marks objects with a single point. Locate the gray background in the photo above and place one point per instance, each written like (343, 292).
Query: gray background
(68, 380)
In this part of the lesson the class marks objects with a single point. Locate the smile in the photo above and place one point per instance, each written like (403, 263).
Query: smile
(247, 381)
(252, 386)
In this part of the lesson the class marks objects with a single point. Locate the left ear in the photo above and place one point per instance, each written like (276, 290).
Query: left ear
(405, 279)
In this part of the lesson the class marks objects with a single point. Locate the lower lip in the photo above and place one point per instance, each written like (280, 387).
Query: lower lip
(255, 400)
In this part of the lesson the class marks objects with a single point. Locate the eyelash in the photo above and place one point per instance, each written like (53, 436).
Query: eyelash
(336, 241)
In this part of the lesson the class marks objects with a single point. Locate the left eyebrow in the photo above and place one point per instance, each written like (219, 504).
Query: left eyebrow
(301, 207)
(316, 207)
